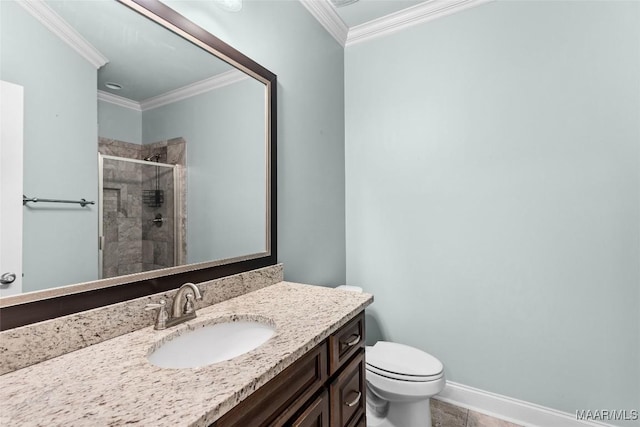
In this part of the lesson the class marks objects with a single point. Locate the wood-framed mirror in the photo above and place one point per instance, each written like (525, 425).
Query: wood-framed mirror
(185, 145)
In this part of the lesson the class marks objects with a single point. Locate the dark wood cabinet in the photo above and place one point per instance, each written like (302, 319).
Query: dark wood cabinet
(324, 388)
(278, 400)
(316, 414)
(345, 342)
(347, 393)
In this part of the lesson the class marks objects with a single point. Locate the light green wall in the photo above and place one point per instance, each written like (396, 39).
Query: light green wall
(493, 196)
(116, 122)
(60, 146)
(226, 158)
(286, 39)
(283, 37)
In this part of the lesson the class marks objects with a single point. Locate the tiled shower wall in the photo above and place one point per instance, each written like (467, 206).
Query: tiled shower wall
(132, 241)
(173, 152)
(158, 237)
(122, 218)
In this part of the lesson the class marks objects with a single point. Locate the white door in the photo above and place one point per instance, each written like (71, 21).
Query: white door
(11, 133)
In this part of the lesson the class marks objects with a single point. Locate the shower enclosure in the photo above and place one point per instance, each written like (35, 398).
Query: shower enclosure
(139, 215)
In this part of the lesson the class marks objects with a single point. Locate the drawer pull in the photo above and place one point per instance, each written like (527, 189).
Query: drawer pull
(355, 400)
(355, 340)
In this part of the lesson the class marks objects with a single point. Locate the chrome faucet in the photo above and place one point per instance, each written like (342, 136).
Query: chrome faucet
(188, 308)
(181, 311)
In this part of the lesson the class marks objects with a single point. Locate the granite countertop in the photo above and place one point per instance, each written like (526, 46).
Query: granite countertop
(112, 383)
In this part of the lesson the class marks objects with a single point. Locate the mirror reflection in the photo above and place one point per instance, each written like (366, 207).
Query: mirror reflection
(167, 139)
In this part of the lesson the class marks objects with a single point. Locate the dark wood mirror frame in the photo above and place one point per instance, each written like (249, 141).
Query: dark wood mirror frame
(13, 316)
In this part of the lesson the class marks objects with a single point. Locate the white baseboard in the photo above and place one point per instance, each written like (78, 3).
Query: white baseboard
(509, 409)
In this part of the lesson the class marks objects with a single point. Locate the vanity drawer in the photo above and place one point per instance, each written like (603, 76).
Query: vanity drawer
(278, 400)
(345, 342)
(347, 394)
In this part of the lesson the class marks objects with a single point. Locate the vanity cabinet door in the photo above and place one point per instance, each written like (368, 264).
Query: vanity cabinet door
(278, 400)
(316, 414)
(346, 342)
(347, 394)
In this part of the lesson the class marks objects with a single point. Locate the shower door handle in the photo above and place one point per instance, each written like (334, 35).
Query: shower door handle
(158, 220)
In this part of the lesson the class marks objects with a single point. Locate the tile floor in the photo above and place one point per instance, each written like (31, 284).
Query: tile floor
(447, 415)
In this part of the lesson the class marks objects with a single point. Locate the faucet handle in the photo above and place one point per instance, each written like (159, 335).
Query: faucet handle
(163, 315)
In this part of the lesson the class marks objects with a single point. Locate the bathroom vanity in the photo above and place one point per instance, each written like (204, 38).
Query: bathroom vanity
(325, 387)
(311, 372)
(77, 355)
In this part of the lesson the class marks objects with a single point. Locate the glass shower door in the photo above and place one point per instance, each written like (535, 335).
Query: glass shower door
(137, 215)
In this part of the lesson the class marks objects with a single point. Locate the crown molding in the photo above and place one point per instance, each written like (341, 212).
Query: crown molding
(197, 88)
(118, 100)
(327, 16)
(184, 92)
(58, 26)
(392, 23)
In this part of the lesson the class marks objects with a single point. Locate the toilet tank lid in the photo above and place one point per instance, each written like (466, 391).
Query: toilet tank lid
(402, 359)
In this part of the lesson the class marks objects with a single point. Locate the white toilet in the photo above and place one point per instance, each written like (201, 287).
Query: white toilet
(400, 381)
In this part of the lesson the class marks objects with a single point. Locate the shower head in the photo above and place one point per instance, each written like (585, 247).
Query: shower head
(154, 158)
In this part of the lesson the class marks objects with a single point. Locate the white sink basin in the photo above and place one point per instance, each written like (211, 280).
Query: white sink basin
(210, 344)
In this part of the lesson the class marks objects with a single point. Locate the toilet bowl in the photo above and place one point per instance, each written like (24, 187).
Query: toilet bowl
(400, 381)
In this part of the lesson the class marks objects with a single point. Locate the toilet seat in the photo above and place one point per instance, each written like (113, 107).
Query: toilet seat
(402, 377)
(402, 362)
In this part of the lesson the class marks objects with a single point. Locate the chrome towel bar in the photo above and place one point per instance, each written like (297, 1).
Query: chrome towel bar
(81, 202)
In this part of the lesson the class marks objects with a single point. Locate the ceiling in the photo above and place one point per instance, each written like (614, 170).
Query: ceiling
(149, 61)
(143, 57)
